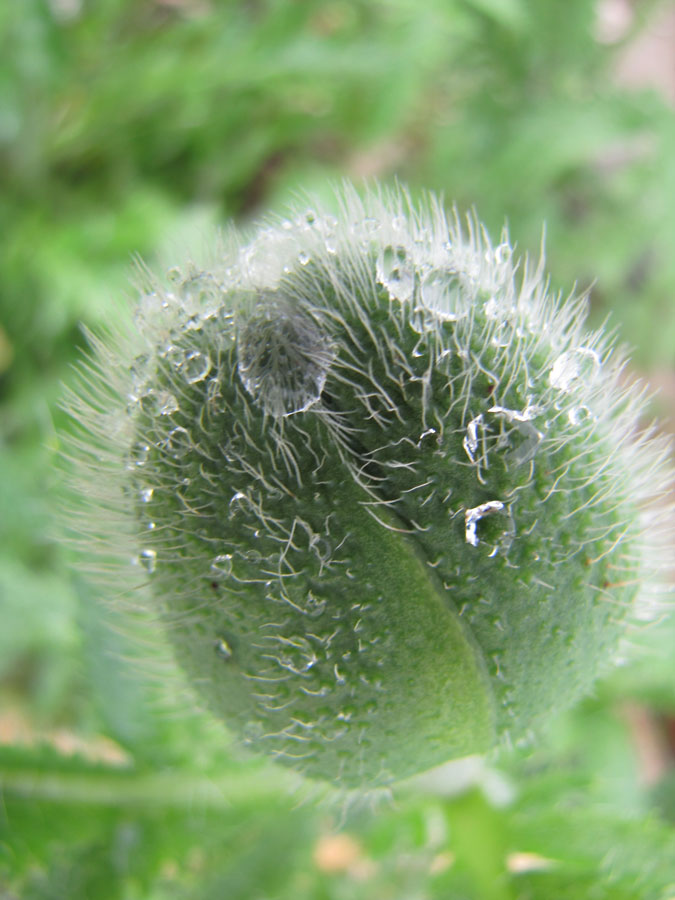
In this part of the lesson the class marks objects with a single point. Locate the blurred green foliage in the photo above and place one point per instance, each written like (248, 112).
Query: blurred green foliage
(125, 124)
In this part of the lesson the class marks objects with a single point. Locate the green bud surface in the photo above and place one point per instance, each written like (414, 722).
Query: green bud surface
(383, 489)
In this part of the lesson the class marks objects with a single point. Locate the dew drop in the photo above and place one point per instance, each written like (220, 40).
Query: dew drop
(222, 565)
(470, 442)
(440, 292)
(420, 349)
(283, 359)
(148, 559)
(366, 228)
(146, 494)
(150, 306)
(491, 308)
(502, 318)
(564, 372)
(199, 291)
(175, 356)
(178, 441)
(174, 275)
(582, 363)
(395, 272)
(504, 537)
(579, 414)
(503, 253)
(252, 731)
(314, 606)
(139, 371)
(529, 437)
(194, 322)
(252, 556)
(138, 455)
(196, 366)
(304, 258)
(222, 648)
(166, 404)
(158, 403)
(237, 504)
(148, 402)
(309, 661)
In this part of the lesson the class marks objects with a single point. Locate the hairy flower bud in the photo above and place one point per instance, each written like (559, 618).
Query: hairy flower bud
(387, 493)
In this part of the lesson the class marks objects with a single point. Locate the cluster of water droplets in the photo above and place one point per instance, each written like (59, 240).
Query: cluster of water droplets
(168, 315)
(501, 438)
(277, 249)
(514, 436)
(153, 308)
(199, 294)
(189, 297)
(443, 280)
(193, 299)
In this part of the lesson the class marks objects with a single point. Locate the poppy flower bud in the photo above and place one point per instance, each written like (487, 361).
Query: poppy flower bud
(385, 490)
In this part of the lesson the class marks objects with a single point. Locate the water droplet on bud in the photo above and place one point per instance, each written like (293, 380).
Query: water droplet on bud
(528, 438)
(196, 366)
(178, 441)
(582, 363)
(222, 648)
(395, 272)
(158, 403)
(222, 565)
(470, 442)
(498, 539)
(440, 292)
(503, 253)
(579, 414)
(138, 454)
(366, 228)
(283, 359)
(148, 559)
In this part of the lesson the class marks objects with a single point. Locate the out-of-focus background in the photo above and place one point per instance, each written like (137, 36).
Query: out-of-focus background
(125, 124)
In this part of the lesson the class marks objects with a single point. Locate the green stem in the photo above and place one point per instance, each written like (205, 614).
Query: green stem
(164, 789)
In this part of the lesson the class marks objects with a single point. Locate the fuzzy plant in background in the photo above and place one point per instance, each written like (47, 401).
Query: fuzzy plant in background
(386, 494)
